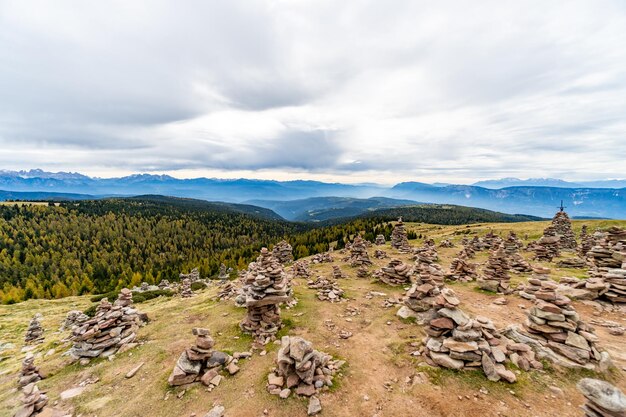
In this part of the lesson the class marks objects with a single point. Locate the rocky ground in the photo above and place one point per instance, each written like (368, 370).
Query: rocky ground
(381, 378)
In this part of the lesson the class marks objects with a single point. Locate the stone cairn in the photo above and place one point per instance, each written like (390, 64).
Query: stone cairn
(380, 240)
(283, 252)
(461, 269)
(555, 330)
(491, 241)
(586, 242)
(399, 238)
(573, 262)
(73, 318)
(396, 273)
(446, 243)
(33, 401)
(362, 272)
(495, 275)
(320, 258)
(266, 286)
(603, 399)
(327, 289)
(185, 288)
(300, 269)
(193, 276)
(113, 327)
(29, 372)
(468, 247)
(34, 332)
(380, 254)
(228, 290)
(223, 274)
(528, 290)
(201, 363)
(337, 273)
(358, 253)
(547, 247)
(302, 369)
(164, 285)
(608, 258)
(563, 228)
(419, 301)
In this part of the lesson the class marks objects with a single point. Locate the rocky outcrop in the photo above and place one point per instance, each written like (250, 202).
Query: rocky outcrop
(603, 399)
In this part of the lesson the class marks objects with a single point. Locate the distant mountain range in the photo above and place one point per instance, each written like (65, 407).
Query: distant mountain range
(537, 197)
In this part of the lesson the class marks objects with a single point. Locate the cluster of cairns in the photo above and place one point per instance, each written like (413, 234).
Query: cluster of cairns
(399, 239)
(201, 363)
(516, 261)
(327, 289)
(358, 253)
(461, 269)
(303, 370)
(337, 273)
(266, 286)
(113, 328)
(395, 273)
(34, 332)
(495, 275)
(283, 252)
(324, 257)
(446, 243)
(547, 247)
(563, 227)
(380, 240)
(609, 264)
(29, 372)
(603, 399)
(185, 288)
(300, 269)
(33, 401)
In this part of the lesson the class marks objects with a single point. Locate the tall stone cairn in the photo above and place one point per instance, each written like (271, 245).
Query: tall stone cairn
(337, 273)
(586, 242)
(283, 252)
(517, 263)
(358, 253)
(33, 401)
(380, 240)
(603, 399)
(547, 247)
(300, 269)
(461, 269)
(495, 275)
(399, 240)
(185, 288)
(396, 273)
(34, 332)
(29, 372)
(113, 327)
(563, 227)
(266, 286)
(608, 258)
(491, 241)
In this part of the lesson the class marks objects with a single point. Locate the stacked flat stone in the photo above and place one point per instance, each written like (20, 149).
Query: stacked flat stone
(113, 327)
(358, 253)
(29, 372)
(283, 252)
(491, 241)
(420, 298)
(586, 242)
(300, 269)
(573, 262)
(337, 273)
(327, 289)
(461, 269)
(609, 264)
(547, 247)
(427, 254)
(185, 288)
(201, 363)
(193, 276)
(528, 290)
(395, 273)
(362, 272)
(34, 332)
(469, 248)
(228, 290)
(495, 275)
(380, 254)
(320, 258)
(399, 240)
(266, 286)
(73, 318)
(563, 227)
(302, 369)
(164, 285)
(33, 401)
(380, 240)
(223, 274)
(516, 261)
(446, 243)
(478, 244)
(459, 342)
(603, 399)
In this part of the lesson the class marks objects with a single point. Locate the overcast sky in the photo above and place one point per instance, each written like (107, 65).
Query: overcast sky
(351, 91)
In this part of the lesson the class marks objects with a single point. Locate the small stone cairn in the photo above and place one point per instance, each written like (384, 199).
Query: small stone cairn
(547, 247)
(193, 276)
(113, 327)
(300, 269)
(185, 288)
(34, 332)
(426, 254)
(266, 286)
(399, 240)
(327, 289)
(395, 273)
(358, 253)
(223, 274)
(228, 290)
(603, 399)
(201, 363)
(586, 242)
(380, 240)
(337, 273)
(324, 257)
(302, 369)
(468, 248)
(283, 252)
(33, 401)
(461, 269)
(446, 243)
(608, 258)
(380, 254)
(563, 227)
(495, 275)
(420, 299)
(73, 318)
(491, 241)
(29, 372)
(362, 272)
(516, 261)
(164, 285)
(528, 290)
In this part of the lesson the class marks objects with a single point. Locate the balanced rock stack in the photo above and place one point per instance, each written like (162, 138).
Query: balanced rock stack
(461, 269)
(33, 401)
(396, 273)
(609, 260)
(358, 253)
(29, 372)
(302, 369)
(547, 247)
(563, 227)
(34, 332)
(420, 299)
(164, 285)
(603, 399)
(324, 257)
(528, 290)
(586, 242)
(380, 240)
(185, 288)
(491, 241)
(496, 273)
(468, 248)
(399, 238)
(227, 290)
(283, 252)
(427, 254)
(201, 363)
(327, 289)
(300, 269)
(362, 272)
(446, 243)
(516, 261)
(223, 275)
(458, 342)
(112, 328)
(266, 286)
(73, 317)
(380, 254)
(193, 276)
(337, 273)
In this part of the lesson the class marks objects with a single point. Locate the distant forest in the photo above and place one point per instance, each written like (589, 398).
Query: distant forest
(86, 247)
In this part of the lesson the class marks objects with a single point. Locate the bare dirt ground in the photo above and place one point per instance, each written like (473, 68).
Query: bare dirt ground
(381, 377)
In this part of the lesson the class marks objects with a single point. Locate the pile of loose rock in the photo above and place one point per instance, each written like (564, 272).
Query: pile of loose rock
(547, 247)
(380, 240)
(337, 273)
(327, 289)
(266, 286)
(300, 269)
(33, 401)
(396, 273)
(113, 327)
(320, 258)
(34, 332)
(496, 273)
(302, 369)
(516, 261)
(201, 363)
(358, 253)
(461, 269)
(185, 288)
(29, 372)
(283, 252)
(399, 238)
(563, 227)
(603, 399)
